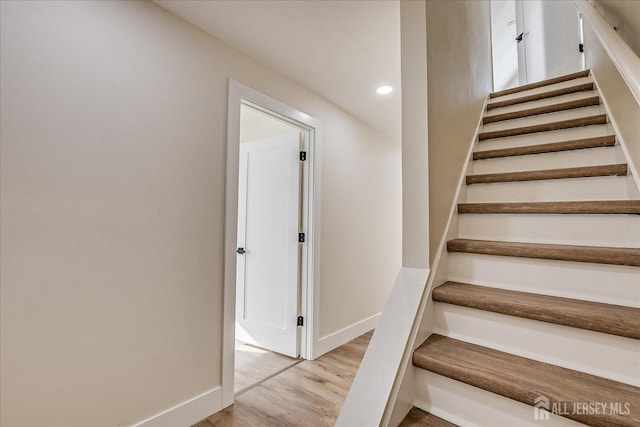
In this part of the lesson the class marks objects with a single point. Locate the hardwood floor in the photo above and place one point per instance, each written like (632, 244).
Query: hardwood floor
(255, 364)
(417, 417)
(310, 393)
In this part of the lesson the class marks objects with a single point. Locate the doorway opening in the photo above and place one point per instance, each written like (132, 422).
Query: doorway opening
(534, 40)
(271, 245)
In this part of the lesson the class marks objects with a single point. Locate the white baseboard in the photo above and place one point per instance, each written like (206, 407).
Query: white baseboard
(187, 413)
(344, 335)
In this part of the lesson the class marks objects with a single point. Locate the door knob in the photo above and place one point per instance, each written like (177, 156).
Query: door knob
(240, 251)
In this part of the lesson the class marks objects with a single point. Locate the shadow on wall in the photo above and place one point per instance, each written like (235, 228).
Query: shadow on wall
(624, 16)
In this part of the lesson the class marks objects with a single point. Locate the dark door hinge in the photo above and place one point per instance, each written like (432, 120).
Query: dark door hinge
(300, 321)
(301, 237)
(303, 156)
(580, 47)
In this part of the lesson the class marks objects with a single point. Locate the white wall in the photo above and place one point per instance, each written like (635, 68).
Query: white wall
(624, 15)
(459, 78)
(361, 221)
(623, 108)
(415, 146)
(112, 138)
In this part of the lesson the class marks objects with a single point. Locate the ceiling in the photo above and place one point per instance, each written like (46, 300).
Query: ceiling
(340, 49)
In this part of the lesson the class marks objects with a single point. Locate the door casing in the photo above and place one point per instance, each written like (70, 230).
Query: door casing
(240, 94)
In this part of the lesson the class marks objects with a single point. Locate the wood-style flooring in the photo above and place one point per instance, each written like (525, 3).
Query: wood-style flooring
(417, 417)
(253, 364)
(524, 380)
(311, 393)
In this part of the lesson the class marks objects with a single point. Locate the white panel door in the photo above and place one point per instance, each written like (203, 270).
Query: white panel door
(551, 34)
(268, 221)
(504, 44)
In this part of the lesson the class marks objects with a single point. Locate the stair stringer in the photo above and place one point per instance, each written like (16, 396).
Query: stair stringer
(633, 168)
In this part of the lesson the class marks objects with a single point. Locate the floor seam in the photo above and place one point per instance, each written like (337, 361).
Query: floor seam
(252, 386)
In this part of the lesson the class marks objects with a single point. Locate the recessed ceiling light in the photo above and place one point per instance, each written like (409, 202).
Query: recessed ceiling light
(384, 90)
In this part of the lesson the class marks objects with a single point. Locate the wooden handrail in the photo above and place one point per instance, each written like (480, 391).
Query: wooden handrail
(622, 56)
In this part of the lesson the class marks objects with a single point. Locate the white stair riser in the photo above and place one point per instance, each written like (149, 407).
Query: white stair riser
(465, 405)
(596, 353)
(576, 113)
(588, 230)
(571, 348)
(543, 161)
(542, 102)
(610, 284)
(574, 189)
(544, 89)
(545, 137)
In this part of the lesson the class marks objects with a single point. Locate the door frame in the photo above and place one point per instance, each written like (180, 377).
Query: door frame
(310, 293)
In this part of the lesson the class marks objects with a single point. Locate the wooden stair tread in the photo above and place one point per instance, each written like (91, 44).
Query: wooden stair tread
(593, 316)
(592, 254)
(578, 103)
(417, 417)
(577, 207)
(544, 95)
(525, 380)
(598, 119)
(579, 172)
(542, 83)
(577, 144)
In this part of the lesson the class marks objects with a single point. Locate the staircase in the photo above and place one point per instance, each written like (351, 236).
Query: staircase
(539, 321)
